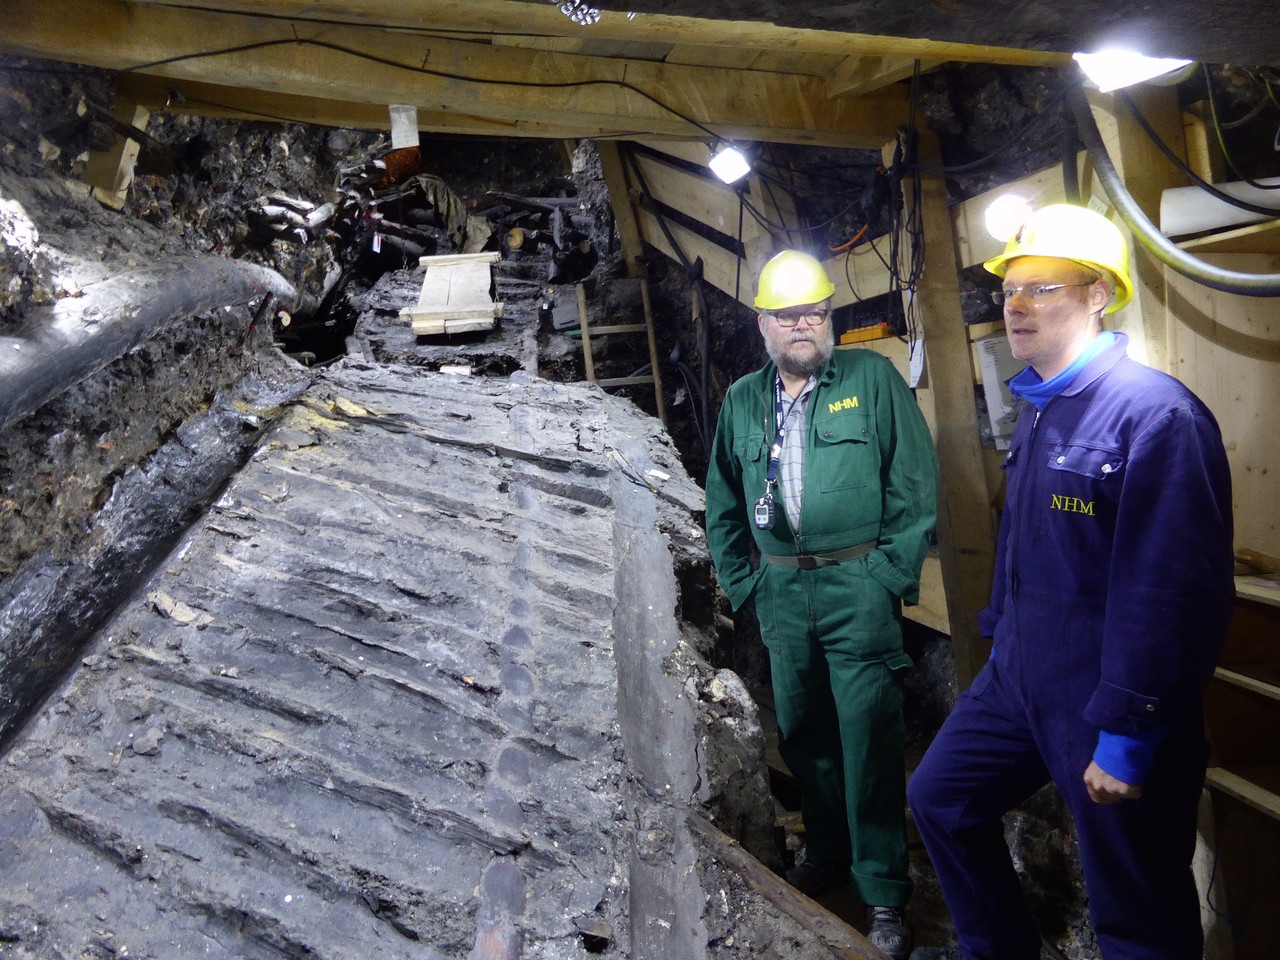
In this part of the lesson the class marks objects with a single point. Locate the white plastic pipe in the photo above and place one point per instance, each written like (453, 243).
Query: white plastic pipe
(1187, 210)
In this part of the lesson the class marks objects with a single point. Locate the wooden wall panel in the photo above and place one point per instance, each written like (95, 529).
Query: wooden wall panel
(1227, 350)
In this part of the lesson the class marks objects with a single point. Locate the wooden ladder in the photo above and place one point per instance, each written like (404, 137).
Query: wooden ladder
(654, 377)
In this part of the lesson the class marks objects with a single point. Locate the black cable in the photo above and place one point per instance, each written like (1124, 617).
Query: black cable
(697, 396)
(768, 224)
(442, 33)
(1256, 109)
(426, 71)
(797, 190)
(1020, 135)
(1222, 142)
(1145, 232)
(737, 279)
(848, 278)
(1186, 171)
(690, 270)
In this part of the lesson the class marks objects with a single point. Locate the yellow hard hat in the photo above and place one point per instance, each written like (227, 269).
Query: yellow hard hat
(790, 279)
(1072, 233)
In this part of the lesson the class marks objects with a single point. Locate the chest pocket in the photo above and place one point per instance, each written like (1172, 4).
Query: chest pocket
(847, 455)
(1093, 462)
(1081, 483)
(751, 453)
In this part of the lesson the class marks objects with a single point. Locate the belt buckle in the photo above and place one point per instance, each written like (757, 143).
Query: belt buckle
(806, 561)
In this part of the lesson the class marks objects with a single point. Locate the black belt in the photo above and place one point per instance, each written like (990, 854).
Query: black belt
(811, 561)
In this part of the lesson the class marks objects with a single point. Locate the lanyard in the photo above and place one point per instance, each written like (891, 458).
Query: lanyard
(780, 417)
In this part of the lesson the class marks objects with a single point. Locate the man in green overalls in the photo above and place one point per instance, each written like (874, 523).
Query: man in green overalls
(823, 465)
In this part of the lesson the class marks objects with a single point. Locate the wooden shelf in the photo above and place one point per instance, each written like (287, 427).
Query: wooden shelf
(1255, 238)
(1243, 701)
(1255, 784)
(1265, 588)
(1262, 678)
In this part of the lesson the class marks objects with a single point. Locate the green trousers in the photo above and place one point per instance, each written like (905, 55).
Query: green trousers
(835, 650)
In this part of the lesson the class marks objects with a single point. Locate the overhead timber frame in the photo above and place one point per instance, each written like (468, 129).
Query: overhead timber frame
(491, 67)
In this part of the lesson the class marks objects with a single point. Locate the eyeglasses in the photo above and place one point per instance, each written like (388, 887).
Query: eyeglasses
(814, 318)
(1040, 293)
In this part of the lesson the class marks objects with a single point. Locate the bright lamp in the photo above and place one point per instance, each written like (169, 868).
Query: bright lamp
(1005, 214)
(1116, 68)
(729, 164)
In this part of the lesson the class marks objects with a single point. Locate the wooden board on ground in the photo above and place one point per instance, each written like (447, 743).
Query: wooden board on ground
(455, 295)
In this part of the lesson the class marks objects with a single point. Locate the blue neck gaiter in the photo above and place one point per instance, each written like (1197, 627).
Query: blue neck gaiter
(1030, 387)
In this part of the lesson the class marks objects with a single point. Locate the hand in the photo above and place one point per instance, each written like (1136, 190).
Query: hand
(1104, 788)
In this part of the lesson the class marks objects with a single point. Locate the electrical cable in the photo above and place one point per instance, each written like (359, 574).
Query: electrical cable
(737, 279)
(690, 270)
(1032, 124)
(1222, 142)
(1256, 109)
(426, 71)
(848, 278)
(442, 33)
(1182, 166)
(768, 224)
(797, 190)
(849, 244)
(1156, 243)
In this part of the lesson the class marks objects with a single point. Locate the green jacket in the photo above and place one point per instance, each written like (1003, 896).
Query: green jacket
(869, 474)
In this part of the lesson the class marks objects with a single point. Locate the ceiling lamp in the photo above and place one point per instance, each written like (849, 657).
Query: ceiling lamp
(1115, 68)
(729, 164)
(1005, 214)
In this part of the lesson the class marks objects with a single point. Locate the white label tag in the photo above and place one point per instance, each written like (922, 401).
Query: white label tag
(404, 125)
(377, 242)
(917, 363)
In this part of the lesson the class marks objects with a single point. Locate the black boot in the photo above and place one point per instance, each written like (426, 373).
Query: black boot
(887, 929)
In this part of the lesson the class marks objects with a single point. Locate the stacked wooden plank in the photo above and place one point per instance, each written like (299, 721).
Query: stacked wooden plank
(455, 295)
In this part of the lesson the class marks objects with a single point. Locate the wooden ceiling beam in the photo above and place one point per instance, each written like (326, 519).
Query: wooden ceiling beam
(482, 17)
(474, 79)
(857, 76)
(193, 98)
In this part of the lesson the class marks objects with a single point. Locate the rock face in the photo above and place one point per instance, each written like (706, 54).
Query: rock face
(414, 687)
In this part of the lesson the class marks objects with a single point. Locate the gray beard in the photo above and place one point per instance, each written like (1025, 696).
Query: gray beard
(800, 368)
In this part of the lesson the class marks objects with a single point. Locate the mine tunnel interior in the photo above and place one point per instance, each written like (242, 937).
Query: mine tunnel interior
(93, 472)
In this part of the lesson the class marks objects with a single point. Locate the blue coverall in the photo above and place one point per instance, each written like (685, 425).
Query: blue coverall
(1112, 592)
(834, 641)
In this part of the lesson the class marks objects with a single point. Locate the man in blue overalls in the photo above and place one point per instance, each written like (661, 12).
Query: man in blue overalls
(1113, 587)
(823, 464)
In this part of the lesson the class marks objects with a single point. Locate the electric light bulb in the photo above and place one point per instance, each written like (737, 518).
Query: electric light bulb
(729, 164)
(1005, 214)
(1116, 68)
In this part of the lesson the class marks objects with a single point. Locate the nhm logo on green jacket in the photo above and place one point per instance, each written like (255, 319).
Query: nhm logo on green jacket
(848, 403)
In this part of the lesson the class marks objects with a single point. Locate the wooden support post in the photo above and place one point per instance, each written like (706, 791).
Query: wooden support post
(966, 527)
(109, 172)
(588, 364)
(624, 214)
(567, 150)
(653, 350)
